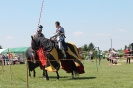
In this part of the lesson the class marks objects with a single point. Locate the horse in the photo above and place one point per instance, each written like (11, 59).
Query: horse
(33, 63)
(30, 60)
(50, 56)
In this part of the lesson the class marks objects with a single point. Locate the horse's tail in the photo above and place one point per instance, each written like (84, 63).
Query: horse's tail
(74, 55)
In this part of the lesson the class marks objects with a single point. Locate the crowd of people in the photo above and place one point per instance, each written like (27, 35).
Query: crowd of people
(111, 55)
(9, 59)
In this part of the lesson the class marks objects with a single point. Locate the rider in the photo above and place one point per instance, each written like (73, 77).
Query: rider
(60, 36)
(39, 31)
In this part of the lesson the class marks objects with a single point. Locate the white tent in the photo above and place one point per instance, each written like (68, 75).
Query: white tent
(1, 50)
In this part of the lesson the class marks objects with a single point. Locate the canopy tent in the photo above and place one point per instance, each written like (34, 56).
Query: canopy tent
(15, 50)
(1, 50)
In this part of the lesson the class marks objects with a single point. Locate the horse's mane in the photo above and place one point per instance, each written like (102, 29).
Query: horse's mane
(45, 43)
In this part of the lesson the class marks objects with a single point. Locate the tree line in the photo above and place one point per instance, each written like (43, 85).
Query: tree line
(88, 47)
(0, 47)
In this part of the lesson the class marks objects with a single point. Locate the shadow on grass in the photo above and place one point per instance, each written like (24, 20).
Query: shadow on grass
(83, 78)
(54, 76)
(68, 78)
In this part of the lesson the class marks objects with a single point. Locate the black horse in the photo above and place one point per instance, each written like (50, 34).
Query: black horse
(43, 46)
(30, 60)
(33, 62)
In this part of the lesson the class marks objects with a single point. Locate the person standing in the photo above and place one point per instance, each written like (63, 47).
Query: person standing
(101, 54)
(127, 54)
(91, 55)
(18, 58)
(10, 59)
(4, 59)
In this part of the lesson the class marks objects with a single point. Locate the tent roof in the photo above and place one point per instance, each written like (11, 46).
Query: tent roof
(1, 50)
(16, 50)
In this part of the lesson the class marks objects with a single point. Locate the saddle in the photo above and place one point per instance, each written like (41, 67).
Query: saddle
(64, 44)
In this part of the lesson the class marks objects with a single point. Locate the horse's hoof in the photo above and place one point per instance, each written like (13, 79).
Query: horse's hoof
(57, 79)
(47, 79)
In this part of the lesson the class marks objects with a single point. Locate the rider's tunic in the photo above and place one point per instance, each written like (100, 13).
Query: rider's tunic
(60, 36)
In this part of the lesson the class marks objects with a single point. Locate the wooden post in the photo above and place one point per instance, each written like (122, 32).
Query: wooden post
(3, 67)
(10, 67)
(27, 85)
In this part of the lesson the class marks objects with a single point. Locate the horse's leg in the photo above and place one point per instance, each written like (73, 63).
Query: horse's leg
(29, 74)
(46, 73)
(72, 74)
(57, 75)
(44, 76)
(34, 73)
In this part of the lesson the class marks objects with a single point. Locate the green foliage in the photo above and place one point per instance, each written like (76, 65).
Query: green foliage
(125, 47)
(130, 46)
(0, 47)
(85, 48)
(90, 46)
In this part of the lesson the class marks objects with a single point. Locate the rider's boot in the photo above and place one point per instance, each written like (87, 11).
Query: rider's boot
(63, 52)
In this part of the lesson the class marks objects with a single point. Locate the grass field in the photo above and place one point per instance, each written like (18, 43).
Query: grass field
(119, 76)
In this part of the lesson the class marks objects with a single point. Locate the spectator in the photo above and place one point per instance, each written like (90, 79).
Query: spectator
(127, 54)
(18, 58)
(4, 59)
(11, 59)
(91, 55)
(101, 54)
(98, 53)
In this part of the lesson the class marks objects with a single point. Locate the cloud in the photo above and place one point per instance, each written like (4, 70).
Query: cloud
(100, 34)
(79, 33)
(9, 37)
(122, 30)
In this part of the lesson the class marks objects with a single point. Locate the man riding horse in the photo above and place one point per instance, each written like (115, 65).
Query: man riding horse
(39, 32)
(50, 56)
(60, 37)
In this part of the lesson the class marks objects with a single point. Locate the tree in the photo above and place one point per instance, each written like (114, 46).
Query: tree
(125, 47)
(130, 47)
(91, 46)
(85, 48)
(0, 47)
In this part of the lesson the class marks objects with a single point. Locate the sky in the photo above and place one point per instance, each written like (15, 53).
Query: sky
(84, 21)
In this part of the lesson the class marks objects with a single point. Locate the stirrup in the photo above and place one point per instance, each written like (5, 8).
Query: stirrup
(64, 57)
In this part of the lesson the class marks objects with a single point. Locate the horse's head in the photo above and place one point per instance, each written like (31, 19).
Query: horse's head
(34, 43)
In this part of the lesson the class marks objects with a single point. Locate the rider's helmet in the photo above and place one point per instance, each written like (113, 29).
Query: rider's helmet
(40, 28)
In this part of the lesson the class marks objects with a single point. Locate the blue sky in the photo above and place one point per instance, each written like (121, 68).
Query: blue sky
(84, 21)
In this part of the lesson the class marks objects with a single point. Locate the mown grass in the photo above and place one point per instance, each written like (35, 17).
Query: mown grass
(119, 76)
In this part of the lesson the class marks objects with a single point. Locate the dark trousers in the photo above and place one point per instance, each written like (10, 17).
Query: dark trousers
(91, 57)
(128, 60)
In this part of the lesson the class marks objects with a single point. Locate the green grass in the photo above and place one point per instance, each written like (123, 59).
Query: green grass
(119, 76)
